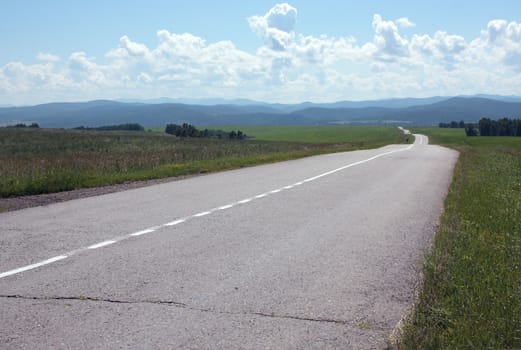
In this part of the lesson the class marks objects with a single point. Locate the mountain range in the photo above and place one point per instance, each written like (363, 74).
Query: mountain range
(158, 112)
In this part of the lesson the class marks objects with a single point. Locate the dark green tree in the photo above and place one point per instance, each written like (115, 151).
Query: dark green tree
(171, 128)
(485, 127)
(501, 127)
(471, 130)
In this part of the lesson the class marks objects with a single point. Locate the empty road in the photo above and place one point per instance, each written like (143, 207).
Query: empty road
(317, 253)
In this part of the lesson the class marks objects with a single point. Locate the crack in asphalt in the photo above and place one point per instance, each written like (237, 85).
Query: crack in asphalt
(87, 298)
(299, 318)
(183, 306)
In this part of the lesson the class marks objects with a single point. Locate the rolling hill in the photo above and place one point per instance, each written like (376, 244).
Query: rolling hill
(427, 111)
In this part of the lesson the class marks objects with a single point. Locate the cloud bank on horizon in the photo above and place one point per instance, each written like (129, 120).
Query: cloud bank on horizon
(286, 67)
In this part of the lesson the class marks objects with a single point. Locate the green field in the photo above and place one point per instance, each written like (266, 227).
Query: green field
(317, 134)
(471, 297)
(35, 161)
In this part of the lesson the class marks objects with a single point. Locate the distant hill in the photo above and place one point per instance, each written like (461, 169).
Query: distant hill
(499, 98)
(468, 109)
(428, 111)
(388, 103)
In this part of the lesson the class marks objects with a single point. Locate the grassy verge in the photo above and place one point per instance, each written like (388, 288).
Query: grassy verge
(35, 161)
(471, 297)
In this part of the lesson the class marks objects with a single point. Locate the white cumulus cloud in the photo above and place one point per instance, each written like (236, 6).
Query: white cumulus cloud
(276, 27)
(440, 49)
(504, 39)
(287, 66)
(387, 40)
(128, 48)
(404, 22)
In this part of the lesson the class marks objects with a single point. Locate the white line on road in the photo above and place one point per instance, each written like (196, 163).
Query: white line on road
(201, 214)
(33, 266)
(421, 139)
(175, 222)
(101, 244)
(144, 232)
(244, 201)
(224, 207)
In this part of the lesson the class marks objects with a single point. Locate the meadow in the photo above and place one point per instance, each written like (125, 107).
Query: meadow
(317, 134)
(471, 295)
(35, 161)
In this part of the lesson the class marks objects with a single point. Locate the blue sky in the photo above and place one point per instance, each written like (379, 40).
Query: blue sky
(266, 50)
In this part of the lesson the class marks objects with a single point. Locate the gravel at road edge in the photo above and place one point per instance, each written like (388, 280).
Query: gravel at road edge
(22, 202)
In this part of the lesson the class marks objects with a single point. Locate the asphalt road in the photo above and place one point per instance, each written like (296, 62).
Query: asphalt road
(317, 253)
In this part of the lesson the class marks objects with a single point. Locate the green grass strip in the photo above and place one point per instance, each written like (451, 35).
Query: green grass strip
(471, 296)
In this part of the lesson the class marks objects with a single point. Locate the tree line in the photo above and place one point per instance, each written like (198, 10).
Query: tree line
(21, 125)
(500, 127)
(453, 125)
(188, 130)
(125, 127)
(488, 127)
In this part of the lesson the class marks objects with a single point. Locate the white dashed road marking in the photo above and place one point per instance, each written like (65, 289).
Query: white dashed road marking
(198, 215)
(224, 207)
(102, 244)
(144, 232)
(176, 222)
(33, 266)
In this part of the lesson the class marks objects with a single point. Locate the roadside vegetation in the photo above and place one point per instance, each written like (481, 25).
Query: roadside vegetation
(35, 161)
(471, 296)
